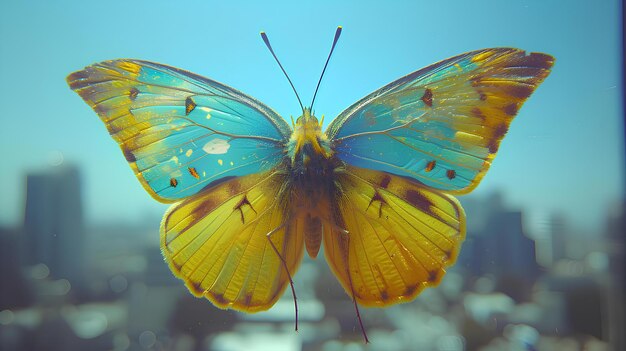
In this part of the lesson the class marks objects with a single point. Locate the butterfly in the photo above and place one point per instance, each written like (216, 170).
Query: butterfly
(250, 192)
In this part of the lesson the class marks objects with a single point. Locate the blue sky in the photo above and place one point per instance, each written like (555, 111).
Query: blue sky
(563, 152)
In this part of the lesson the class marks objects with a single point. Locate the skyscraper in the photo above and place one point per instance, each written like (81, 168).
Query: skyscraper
(14, 290)
(497, 244)
(53, 223)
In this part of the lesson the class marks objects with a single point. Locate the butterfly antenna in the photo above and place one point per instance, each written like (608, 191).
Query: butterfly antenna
(267, 43)
(337, 34)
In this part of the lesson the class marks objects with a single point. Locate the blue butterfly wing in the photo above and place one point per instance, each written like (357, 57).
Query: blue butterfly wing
(181, 132)
(441, 125)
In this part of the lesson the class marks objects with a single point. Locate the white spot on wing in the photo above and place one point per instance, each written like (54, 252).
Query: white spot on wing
(216, 146)
(189, 152)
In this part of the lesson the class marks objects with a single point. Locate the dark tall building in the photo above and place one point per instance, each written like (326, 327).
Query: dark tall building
(14, 290)
(559, 237)
(53, 224)
(496, 244)
(506, 249)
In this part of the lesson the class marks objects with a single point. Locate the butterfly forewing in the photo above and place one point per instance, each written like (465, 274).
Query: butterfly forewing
(441, 125)
(180, 132)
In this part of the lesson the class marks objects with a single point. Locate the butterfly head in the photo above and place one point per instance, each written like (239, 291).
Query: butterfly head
(307, 120)
(307, 141)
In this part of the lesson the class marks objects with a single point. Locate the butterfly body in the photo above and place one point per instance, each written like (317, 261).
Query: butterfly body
(250, 193)
(311, 168)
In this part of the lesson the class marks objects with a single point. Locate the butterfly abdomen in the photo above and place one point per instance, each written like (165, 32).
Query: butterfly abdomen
(312, 179)
(310, 204)
(312, 234)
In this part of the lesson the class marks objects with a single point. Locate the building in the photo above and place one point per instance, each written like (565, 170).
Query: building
(497, 245)
(14, 291)
(53, 231)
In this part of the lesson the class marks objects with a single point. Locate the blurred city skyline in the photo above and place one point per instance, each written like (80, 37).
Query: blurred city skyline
(76, 286)
(563, 153)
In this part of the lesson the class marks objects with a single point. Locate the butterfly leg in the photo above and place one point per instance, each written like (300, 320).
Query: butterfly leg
(282, 259)
(344, 240)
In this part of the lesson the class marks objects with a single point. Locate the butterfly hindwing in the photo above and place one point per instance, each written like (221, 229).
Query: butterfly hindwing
(217, 243)
(391, 236)
(180, 132)
(441, 125)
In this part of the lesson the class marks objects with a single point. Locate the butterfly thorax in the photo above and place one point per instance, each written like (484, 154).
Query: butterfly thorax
(312, 164)
(308, 145)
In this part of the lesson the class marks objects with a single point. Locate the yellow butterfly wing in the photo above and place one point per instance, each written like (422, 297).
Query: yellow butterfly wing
(217, 242)
(399, 236)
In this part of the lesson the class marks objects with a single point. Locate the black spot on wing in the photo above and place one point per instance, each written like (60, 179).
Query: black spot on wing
(428, 97)
(511, 109)
(418, 200)
(130, 157)
(384, 182)
(239, 207)
(132, 94)
(498, 134)
(430, 166)
(193, 172)
(189, 105)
